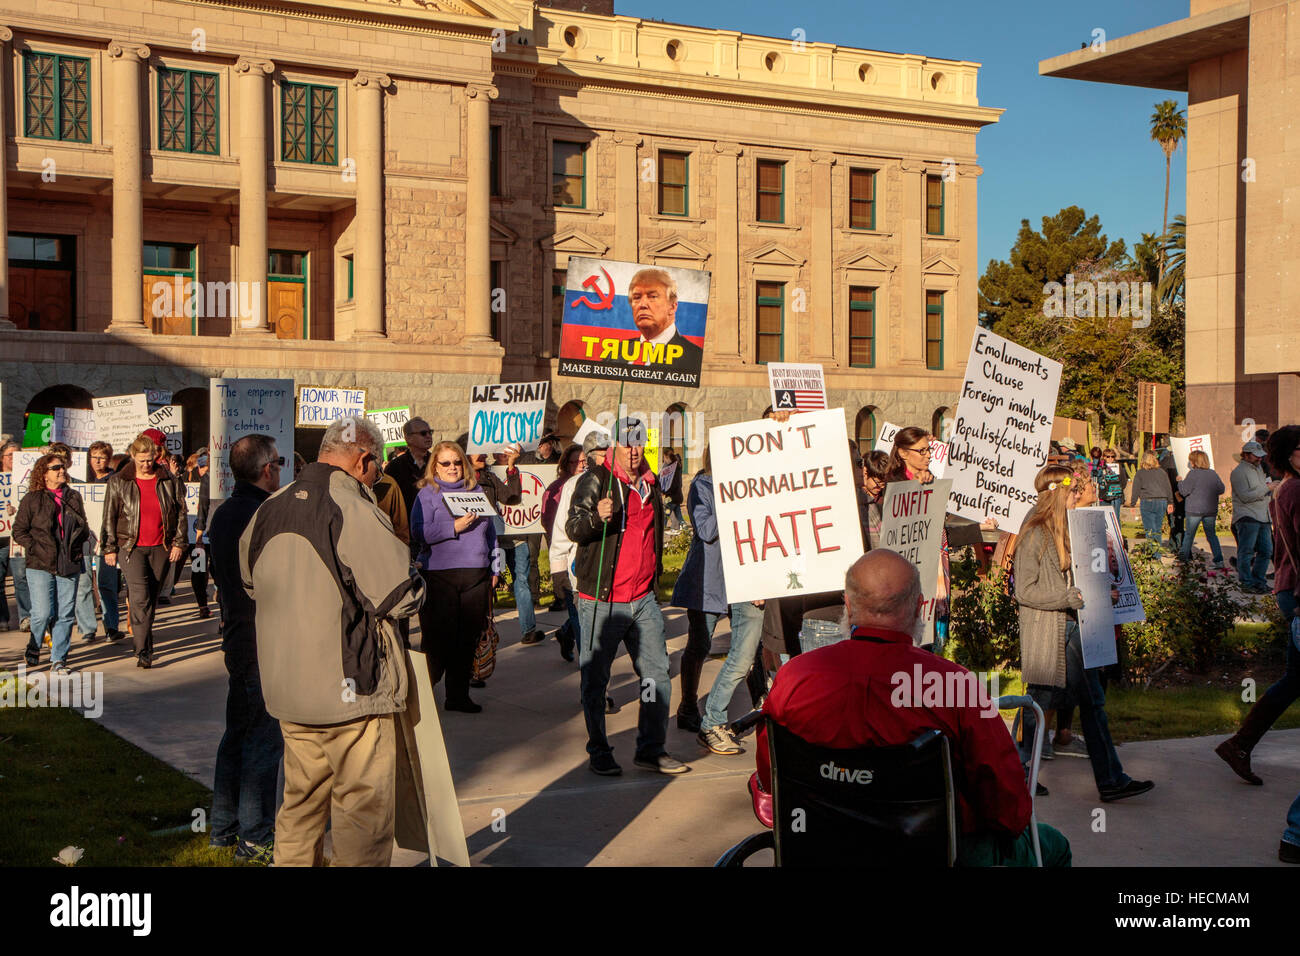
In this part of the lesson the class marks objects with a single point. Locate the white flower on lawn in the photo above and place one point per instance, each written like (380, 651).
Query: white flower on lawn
(70, 855)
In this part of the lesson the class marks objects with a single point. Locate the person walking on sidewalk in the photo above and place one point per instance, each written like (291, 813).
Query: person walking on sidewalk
(245, 788)
(329, 577)
(618, 526)
(1284, 460)
(1201, 490)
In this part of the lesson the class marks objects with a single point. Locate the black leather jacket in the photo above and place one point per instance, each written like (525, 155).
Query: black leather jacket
(122, 512)
(585, 529)
(51, 548)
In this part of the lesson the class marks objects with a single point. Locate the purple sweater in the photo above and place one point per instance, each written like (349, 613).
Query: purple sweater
(433, 535)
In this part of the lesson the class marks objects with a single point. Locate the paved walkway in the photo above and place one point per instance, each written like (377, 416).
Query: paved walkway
(525, 755)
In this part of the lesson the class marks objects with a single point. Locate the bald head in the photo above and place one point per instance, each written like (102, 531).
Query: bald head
(883, 589)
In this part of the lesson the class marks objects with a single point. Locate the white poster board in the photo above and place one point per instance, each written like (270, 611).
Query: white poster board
(938, 449)
(912, 525)
(526, 517)
(318, 405)
(1090, 559)
(504, 415)
(119, 419)
(390, 422)
(1182, 448)
(461, 503)
(1003, 430)
(25, 460)
(588, 426)
(246, 406)
(1129, 609)
(8, 503)
(796, 388)
(170, 420)
(788, 518)
(192, 505)
(75, 427)
(93, 495)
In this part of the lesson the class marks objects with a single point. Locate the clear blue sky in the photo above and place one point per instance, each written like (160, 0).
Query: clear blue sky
(1059, 143)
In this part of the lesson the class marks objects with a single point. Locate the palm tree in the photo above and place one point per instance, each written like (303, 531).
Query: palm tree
(1173, 250)
(1168, 128)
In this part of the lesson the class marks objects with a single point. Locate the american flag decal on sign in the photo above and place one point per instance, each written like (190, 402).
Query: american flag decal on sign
(799, 400)
(797, 388)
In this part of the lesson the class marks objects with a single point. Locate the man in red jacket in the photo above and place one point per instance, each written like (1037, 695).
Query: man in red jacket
(876, 689)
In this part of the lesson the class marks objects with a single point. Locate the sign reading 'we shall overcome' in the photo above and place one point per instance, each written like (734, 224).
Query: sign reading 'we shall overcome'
(787, 511)
(1003, 430)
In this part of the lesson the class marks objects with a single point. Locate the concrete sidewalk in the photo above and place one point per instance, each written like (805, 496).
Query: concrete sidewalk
(522, 764)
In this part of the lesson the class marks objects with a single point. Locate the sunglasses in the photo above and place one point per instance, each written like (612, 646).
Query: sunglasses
(450, 464)
(54, 468)
(424, 434)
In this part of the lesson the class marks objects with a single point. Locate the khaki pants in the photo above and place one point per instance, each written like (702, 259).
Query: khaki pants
(347, 773)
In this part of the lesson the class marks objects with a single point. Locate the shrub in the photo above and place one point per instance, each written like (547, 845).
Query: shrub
(984, 619)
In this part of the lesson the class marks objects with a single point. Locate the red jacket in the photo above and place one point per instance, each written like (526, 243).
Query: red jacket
(841, 696)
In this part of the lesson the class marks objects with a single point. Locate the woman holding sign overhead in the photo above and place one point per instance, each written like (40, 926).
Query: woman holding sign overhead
(454, 555)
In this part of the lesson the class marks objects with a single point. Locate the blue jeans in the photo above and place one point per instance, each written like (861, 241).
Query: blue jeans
(16, 565)
(109, 581)
(1114, 503)
(1189, 536)
(54, 598)
(1254, 551)
(746, 630)
(640, 626)
(520, 561)
(87, 623)
(245, 790)
(1153, 519)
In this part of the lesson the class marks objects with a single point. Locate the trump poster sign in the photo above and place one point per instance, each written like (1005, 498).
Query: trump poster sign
(631, 322)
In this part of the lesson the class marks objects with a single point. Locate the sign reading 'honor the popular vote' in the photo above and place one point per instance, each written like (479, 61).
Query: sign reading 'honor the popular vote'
(504, 415)
(787, 510)
(632, 322)
(1003, 430)
(318, 406)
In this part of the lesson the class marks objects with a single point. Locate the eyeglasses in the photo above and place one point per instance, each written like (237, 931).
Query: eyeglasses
(270, 461)
(450, 464)
(923, 450)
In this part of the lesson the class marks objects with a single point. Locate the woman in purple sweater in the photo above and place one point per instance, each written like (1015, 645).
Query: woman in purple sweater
(455, 558)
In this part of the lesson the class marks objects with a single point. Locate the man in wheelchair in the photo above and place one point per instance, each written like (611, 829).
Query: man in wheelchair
(855, 693)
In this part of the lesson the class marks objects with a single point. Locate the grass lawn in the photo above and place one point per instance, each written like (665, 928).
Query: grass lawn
(66, 781)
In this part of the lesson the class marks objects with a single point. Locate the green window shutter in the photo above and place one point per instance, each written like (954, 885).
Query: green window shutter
(324, 125)
(204, 107)
(769, 343)
(862, 199)
(934, 196)
(172, 110)
(56, 97)
(674, 179)
(771, 191)
(862, 327)
(40, 96)
(293, 123)
(934, 331)
(309, 124)
(74, 99)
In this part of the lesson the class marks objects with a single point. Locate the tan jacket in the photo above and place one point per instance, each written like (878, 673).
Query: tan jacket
(1044, 593)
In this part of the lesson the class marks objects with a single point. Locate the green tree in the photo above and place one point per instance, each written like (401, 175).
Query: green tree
(1168, 128)
(1173, 247)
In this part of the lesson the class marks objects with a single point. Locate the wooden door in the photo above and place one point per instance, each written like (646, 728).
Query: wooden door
(166, 304)
(287, 305)
(41, 299)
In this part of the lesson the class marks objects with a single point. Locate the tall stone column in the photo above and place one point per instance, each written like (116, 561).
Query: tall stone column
(253, 252)
(626, 184)
(126, 63)
(478, 188)
(911, 351)
(368, 260)
(6, 324)
(726, 273)
(822, 316)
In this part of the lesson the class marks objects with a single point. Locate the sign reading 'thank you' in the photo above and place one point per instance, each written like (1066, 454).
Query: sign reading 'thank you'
(787, 511)
(1003, 430)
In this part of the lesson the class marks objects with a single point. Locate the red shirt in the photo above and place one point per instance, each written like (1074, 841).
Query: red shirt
(841, 696)
(634, 572)
(151, 520)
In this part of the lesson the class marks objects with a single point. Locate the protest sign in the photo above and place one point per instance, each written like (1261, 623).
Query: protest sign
(318, 406)
(93, 494)
(1090, 558)
(938, 449)
(1153, 408)
(170, 420)
(75, 427)
(119, 419)
(1072, 428)
(796, 388)
(390, 422)
(1183, 447)
(787, 510)
(39, 431)
(504, 415)
(474, 502)
(632, 322)
(246, 406)
(652, 449)
(1128, 609)
(526, 517)
(25, 460)
(7, 502)
(157, 397)
(912, 525)
(1003, 430)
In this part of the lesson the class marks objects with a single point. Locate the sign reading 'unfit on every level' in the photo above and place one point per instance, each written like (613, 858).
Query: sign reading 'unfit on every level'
(787, 510)
(1003, 430)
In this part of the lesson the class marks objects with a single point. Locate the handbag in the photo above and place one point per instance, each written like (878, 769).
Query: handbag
(485, 653)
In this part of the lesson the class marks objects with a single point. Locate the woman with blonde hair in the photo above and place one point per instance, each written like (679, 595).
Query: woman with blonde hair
(1050, 647)
(1201, 490)
(454, 555)
(1154, 497)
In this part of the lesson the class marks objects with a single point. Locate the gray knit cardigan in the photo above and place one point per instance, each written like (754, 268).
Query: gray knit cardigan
(1044, 593)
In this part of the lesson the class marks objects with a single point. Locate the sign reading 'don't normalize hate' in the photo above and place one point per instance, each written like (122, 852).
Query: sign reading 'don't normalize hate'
(505, 415)
(1003, 430)
(787, 510)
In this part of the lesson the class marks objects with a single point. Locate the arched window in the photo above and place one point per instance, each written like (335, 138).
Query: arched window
(941, 423)
(677, 433)
(864, 430)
